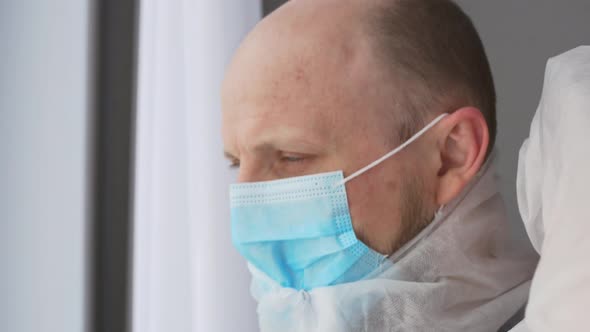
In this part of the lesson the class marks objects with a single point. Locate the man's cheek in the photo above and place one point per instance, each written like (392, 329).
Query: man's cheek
(366, 209)
(375, 210)
(358, 203)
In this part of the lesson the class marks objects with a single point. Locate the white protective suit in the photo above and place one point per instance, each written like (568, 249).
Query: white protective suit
(553, 189)
(459, 274)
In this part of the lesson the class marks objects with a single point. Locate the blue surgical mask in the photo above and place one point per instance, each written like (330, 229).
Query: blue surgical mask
(298, 231)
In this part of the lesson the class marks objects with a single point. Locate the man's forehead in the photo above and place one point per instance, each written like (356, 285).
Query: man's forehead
(280, 129)
(301, 76)
(283, 68)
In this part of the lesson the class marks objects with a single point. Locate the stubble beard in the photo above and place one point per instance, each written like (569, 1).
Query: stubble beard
(415, 214)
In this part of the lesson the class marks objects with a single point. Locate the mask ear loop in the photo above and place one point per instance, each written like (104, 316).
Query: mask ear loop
(391, 153)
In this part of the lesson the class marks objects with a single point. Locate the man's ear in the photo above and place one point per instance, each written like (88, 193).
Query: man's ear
(463, 146)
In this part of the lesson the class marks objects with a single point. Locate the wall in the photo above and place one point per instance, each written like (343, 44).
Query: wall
(43, 114)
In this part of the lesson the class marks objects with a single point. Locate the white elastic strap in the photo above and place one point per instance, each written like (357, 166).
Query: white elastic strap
(396, 150)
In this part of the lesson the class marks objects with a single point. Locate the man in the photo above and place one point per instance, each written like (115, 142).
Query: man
(417, 239)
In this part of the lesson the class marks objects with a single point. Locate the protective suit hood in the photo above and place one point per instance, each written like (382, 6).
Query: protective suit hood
(553, 188)
(460, 274)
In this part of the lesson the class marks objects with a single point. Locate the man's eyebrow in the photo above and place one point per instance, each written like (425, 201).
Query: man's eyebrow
(229, 155)
(259, 147)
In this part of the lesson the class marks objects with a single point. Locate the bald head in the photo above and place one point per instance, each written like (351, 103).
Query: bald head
(305, 48)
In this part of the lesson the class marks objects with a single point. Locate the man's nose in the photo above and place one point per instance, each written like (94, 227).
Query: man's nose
(244, 176)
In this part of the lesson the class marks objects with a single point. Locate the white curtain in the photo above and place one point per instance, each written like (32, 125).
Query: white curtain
(186, 274)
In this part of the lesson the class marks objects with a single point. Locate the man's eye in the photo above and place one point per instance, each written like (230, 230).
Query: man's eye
(292, 159)
(235, 163)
